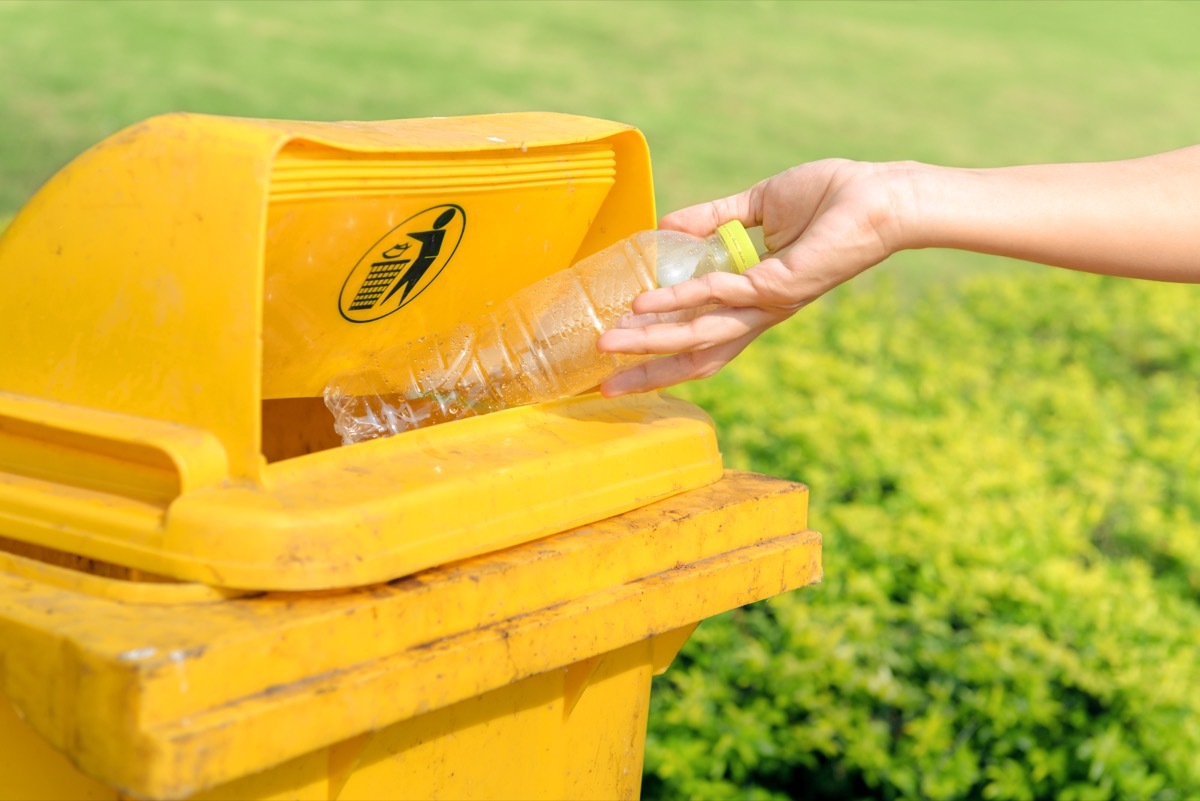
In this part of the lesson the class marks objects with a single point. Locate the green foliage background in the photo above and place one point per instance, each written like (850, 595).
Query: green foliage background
(1003, 459)
(1007, 487)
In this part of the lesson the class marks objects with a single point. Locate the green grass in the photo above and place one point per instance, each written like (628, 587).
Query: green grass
(727, 93)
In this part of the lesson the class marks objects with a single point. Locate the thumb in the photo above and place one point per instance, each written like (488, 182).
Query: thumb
(704, 218)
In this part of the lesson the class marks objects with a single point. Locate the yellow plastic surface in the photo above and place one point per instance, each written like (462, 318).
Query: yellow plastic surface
(521, 674)
(174, 300)
(350, 516)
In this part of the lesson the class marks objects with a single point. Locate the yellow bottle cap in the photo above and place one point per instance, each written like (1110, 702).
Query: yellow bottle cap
(737, 242)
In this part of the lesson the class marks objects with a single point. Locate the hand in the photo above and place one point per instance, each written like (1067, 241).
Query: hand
(823, 223)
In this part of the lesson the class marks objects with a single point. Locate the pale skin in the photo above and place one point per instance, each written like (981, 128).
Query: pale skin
(827, 221)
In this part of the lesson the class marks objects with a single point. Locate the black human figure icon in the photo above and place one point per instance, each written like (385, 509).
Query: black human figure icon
(431, 246)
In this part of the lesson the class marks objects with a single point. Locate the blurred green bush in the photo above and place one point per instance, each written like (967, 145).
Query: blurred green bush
(1006, 480)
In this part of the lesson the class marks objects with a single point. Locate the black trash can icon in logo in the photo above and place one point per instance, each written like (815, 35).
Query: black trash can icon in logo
(402, 264)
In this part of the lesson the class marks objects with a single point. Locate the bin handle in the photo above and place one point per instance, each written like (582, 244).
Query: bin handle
(46, 442)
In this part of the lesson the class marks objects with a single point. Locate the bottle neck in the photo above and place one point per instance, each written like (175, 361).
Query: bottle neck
(717, 258)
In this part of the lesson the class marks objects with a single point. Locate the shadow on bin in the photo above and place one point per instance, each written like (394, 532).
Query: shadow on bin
(198, 592)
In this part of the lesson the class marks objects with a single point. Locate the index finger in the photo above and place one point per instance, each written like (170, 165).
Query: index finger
(725, 289)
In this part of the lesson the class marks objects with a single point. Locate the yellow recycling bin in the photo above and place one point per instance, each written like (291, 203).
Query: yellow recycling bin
(202, 596)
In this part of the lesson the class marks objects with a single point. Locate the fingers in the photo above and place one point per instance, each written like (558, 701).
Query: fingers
(724, 289)
(671, 370)
(704, 218)
(709, 330)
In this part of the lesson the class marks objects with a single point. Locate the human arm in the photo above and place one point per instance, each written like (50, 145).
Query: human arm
(827, 221)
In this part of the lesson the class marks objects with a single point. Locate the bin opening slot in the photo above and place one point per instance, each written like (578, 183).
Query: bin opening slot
(442, 235)
(295, 426)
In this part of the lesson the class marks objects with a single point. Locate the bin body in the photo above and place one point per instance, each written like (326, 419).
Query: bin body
(539, 738)
(519, 674)
(202, 596)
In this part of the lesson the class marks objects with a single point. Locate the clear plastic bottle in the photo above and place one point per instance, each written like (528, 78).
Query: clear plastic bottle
(538, 345)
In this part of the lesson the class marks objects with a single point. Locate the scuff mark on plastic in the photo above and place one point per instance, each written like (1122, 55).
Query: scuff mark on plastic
(179, 657)
(137, 654)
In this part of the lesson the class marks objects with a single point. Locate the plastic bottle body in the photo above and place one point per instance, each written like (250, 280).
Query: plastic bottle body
(538, 345)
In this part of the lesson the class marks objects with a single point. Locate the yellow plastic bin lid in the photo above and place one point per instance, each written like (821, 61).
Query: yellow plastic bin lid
(174, 300)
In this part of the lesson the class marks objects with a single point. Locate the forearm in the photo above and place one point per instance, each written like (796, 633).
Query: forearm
(1137, 218)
